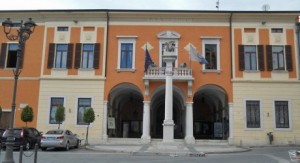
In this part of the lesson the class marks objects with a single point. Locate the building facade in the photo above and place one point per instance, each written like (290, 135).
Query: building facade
(97, 58)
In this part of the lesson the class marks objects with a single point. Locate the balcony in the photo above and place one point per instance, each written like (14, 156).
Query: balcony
(159, 73)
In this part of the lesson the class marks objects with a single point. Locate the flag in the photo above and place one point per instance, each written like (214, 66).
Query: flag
(148, 60)
(195, 56)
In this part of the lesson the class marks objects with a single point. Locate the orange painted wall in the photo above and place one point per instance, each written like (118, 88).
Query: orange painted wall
(237, 42)
(264, 39)
(149, 34)
(27, 89)
(100, 39)
(290, 41)
(75, 38)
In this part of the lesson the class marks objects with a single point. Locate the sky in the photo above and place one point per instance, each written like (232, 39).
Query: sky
(232, 5)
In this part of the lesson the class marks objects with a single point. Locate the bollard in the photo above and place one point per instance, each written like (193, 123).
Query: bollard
(36, 147)
(21, 154)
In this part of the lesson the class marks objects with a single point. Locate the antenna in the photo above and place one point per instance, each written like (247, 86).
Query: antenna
(266, 7)
(218, 4)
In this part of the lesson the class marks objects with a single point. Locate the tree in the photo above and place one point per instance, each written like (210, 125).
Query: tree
(88, 117)
(27, 114)
(60, 115)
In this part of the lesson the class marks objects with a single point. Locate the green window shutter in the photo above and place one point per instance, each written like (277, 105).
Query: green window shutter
(288, 57)
(3, 55)
(261, 59)
(241, 58)
(51, 55)
(70, 56)
(96, 55)
(269, 58)
(78, 55)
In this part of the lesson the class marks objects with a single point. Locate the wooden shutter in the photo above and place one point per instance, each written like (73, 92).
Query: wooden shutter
(70, 56)
(269, 58)
(51, 55)
(96, 55)
(288, 57)
(78, 55)
(241, 58)
(3, 55)
(261, 60)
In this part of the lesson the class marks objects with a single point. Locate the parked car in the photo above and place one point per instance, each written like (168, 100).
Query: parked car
(25, 136)
(59, 139)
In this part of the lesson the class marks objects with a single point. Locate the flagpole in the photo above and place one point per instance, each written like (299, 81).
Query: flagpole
(190, 56)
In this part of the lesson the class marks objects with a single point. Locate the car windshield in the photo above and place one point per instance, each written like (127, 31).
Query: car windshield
(54, 132)
(11, 132)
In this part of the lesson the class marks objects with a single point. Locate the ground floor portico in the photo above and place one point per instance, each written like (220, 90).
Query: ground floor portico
(204, 118)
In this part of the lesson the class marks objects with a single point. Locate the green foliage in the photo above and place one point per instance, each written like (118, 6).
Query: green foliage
(60, 115)
(27, 114)
(89, 115)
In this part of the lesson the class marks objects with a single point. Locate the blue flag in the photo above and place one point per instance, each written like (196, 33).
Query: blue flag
(148, 60)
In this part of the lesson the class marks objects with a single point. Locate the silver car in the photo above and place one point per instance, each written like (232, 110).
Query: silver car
(59, 139)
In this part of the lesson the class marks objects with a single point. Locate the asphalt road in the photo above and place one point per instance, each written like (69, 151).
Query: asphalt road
(256, 155)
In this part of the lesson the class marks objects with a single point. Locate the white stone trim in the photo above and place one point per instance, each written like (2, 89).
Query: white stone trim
(212, 40)
(260, 113)
(76, 110)
(126, 39)
(49, 110)
(290, 114)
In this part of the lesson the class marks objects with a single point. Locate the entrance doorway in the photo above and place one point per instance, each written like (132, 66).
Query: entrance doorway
(210, 113)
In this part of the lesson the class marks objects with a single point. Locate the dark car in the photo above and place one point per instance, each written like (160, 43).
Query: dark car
(25, 136)
(1, 133)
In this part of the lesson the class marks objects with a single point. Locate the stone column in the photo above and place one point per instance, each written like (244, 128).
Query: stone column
(104, 127)
(146, 123)
(230, 137)
(189, 133)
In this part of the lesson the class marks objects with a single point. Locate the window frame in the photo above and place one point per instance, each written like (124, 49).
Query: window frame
(50, 108)
(7, 55)
(126, 40)
(82, 56)
(212, 41)
(278, 59)
(251, 53)
(260, 114)
(62, 54)
(289, 114)
(77, 109)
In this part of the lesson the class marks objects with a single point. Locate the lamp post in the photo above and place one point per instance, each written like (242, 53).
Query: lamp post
(22, 34)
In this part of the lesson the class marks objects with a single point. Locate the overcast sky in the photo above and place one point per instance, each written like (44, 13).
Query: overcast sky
(236, 5)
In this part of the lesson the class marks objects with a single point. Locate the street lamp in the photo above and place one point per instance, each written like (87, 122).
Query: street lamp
(23, 33)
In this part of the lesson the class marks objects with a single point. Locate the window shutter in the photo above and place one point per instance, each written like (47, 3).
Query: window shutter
(261, 60)
(3, 55)
(78, 55)
(288, 57)
(70, 56)
(22, 56)
(269, 58)
(51, 55)
(241, 58)
(96, 55)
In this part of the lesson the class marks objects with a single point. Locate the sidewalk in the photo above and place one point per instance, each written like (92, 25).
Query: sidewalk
(167, 149)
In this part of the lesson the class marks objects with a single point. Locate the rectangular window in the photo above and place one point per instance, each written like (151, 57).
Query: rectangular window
(253, 114)
(277, 30)
(11, 61)
(62, 28)
(55, 102)
(88, 56)
(278, 58)
(126, 55)
(83, 104)
(250, 58)
(211, 56)
(282, 114)
(61, 56)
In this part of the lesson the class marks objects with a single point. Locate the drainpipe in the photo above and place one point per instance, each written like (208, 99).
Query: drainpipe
(106, 46)
(230, 24)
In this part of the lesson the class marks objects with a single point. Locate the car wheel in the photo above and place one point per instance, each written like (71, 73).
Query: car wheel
(27, 146)
(67, 146)
(44, 148)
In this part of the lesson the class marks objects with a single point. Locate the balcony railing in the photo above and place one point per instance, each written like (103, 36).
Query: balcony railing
(184, 73)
